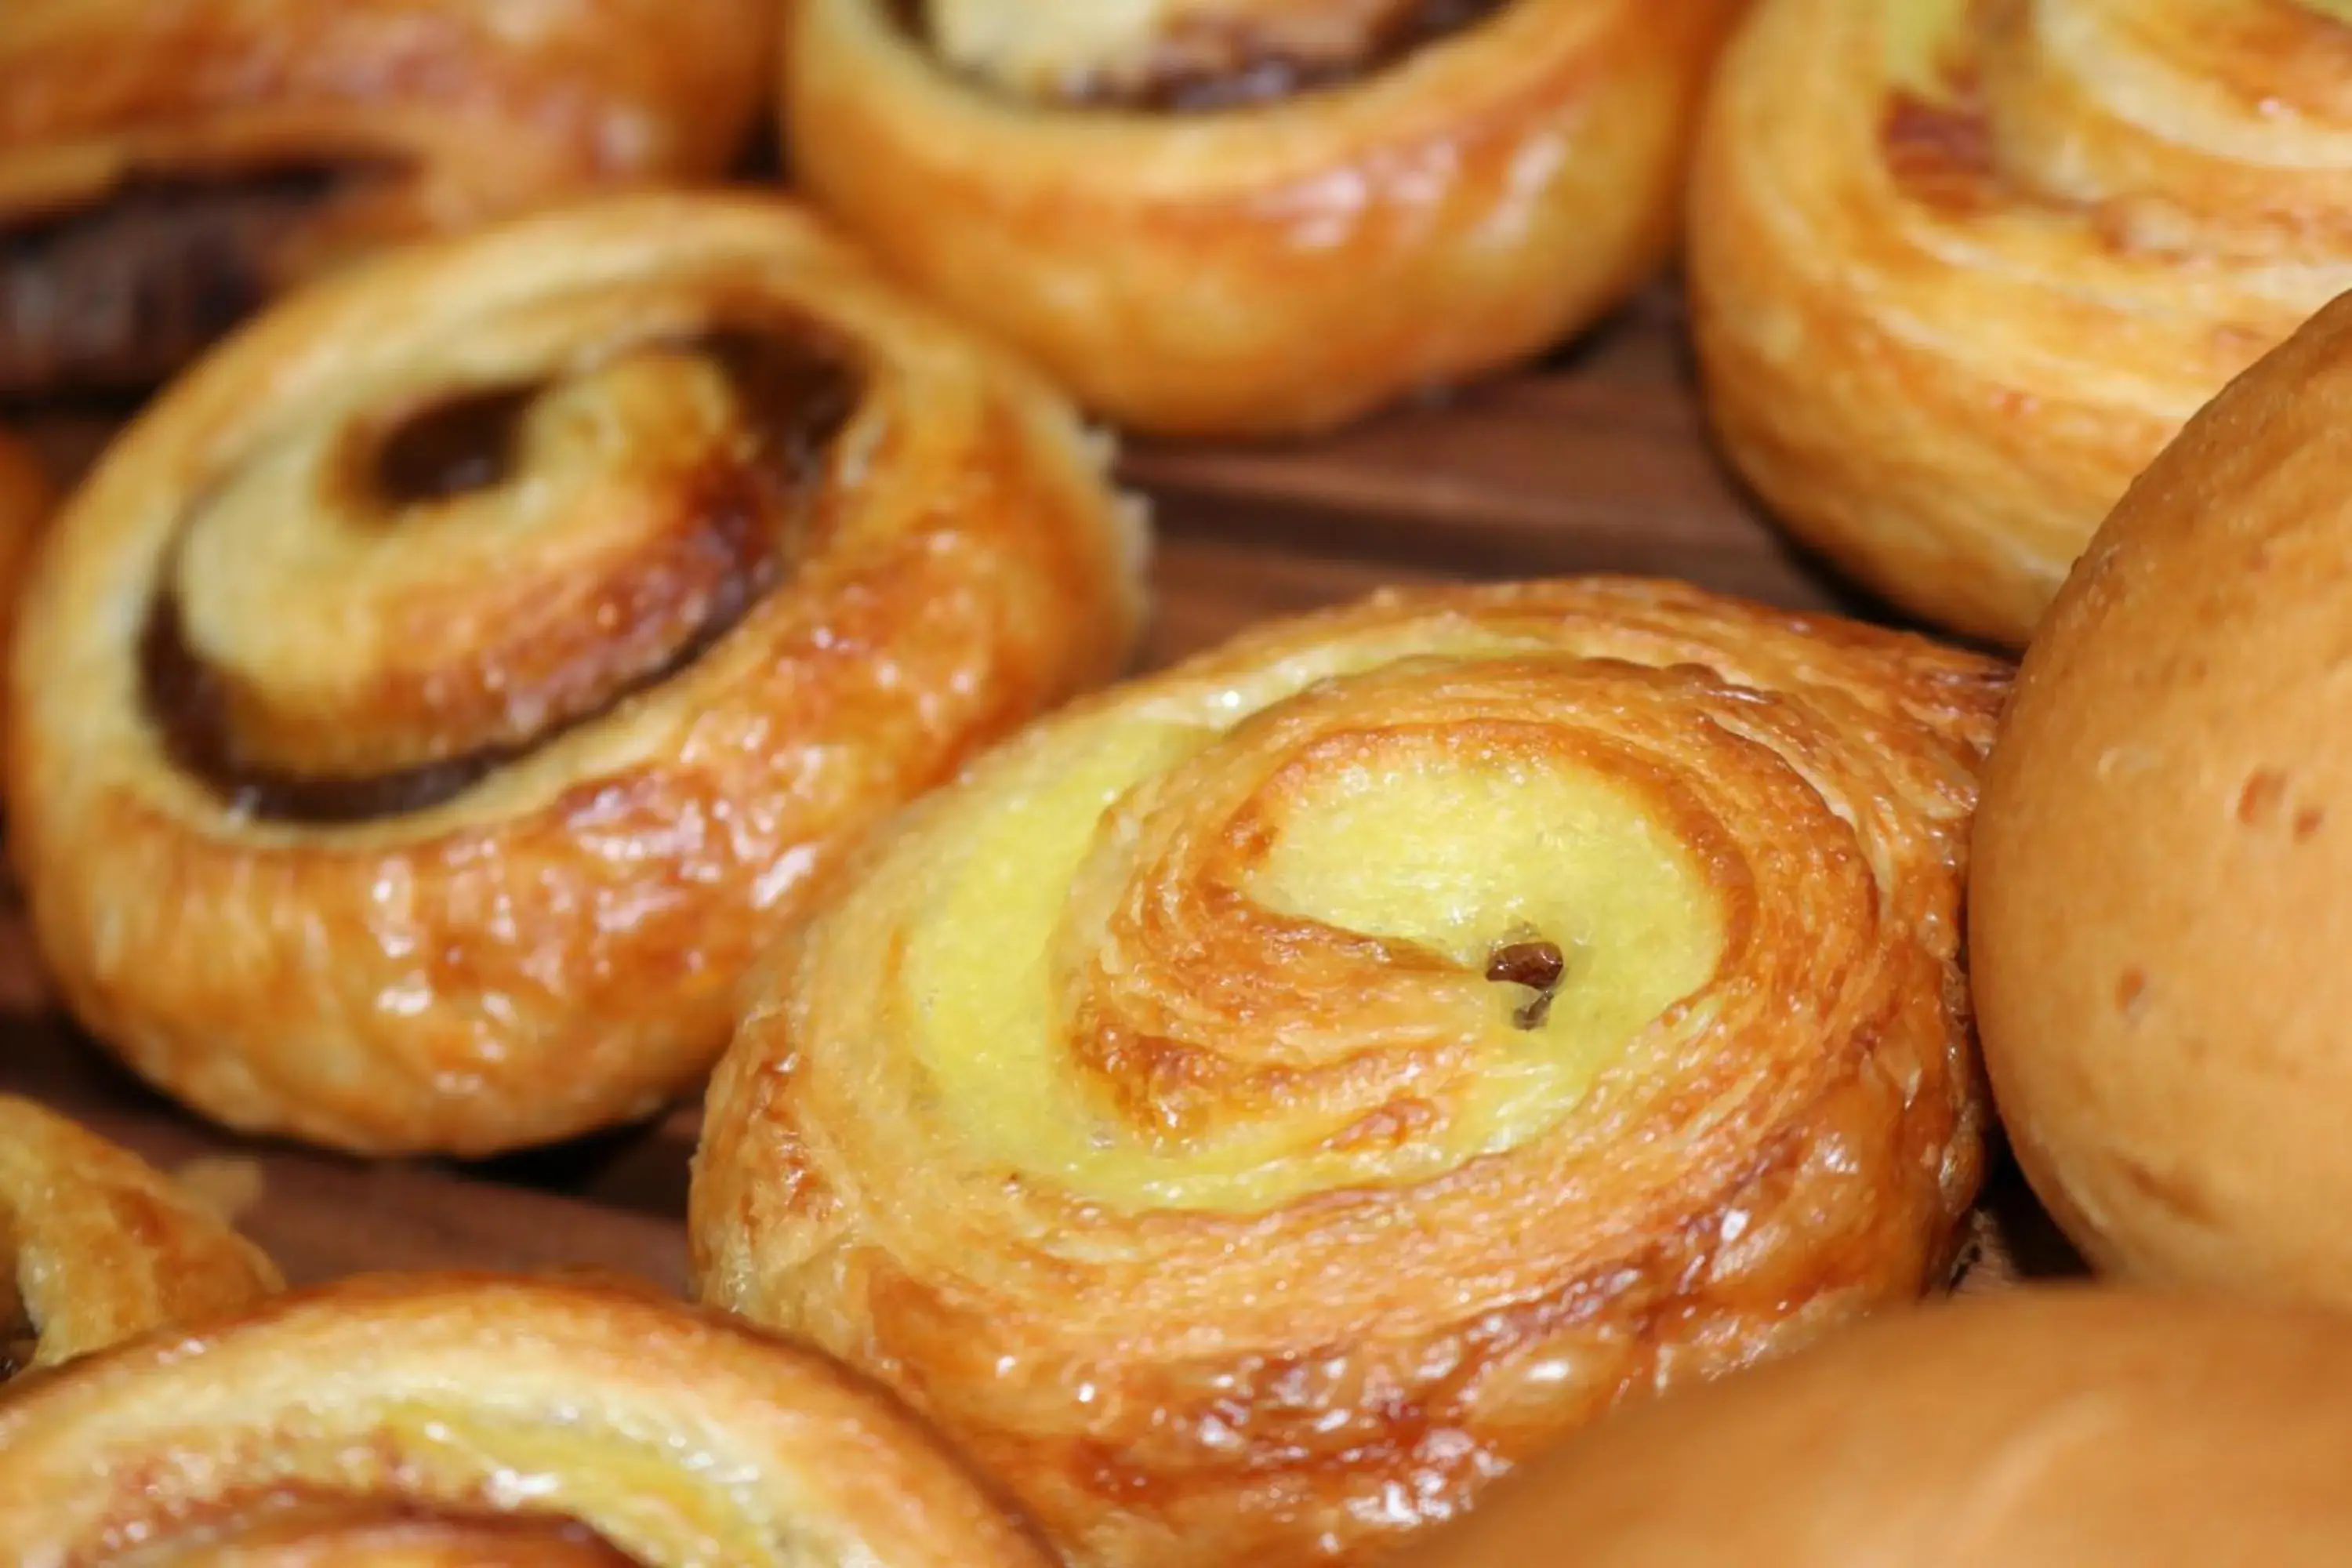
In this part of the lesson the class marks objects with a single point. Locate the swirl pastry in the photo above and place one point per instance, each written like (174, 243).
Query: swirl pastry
(429, 706)
(166, 169)
(1255, 216)
(96, 1248)
(1961, 270)
(1253, 1108)
(457, 1420)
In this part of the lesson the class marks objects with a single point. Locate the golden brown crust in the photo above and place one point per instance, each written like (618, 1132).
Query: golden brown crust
(96, 1248)
(27, 498)
(2156, 915)
(1286, 265)
(162, 172)
(680, 1438)
(428, 708)
(342, 1537)
(1959, 271)
(2047, 1429)
(1203, 1230)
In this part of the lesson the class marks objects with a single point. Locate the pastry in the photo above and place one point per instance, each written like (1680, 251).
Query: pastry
(425, 710)
(1959, 270)
(2041, 1430)
(164, 169)
(1254, 1108)
(2158, 913)
(454, 1404)
(96, 1248)
(26, 496)
(1255, 216)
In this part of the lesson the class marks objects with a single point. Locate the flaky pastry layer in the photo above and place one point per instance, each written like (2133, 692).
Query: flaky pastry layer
(670, 1438)
(97, 1248)
(1257, 1106)
(1283, 264)
(430, 705)
(1960, 270)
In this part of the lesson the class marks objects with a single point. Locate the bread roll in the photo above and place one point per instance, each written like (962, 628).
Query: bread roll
(2056, 1431)
(2162, 902)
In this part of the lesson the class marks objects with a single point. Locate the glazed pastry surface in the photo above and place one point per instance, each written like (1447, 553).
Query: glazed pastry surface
(1255, 1107)
(96, 1247)
(164, 170)
(427, 709)
(1959, 271)
(446, 1421)
(1213, 216)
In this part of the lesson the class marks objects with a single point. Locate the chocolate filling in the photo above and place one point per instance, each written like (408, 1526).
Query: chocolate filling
(121, 294)
(1537, 966)
(1239, 68)
(799, 396)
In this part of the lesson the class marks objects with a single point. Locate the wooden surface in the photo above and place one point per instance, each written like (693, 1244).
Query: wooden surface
(1594, 461)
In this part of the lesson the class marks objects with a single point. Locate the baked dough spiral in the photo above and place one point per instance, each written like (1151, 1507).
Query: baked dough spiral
(97, 1248)
(428, 708)
(164, 169)
(1255, 216)
(1960, 269)
(455, 1404)
(1255, 1107)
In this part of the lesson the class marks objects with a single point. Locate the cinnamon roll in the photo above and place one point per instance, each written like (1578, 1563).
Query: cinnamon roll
(97, 1248)
(1255, 216)
(453, 1420)
(428, 708)
(1960, 269)
(1254, 1108)
(164, 169)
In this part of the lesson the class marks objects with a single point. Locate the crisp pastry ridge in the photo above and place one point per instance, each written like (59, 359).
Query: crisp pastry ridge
(457, 1410)
(1261, 1104)
(1959, 271)
(165, 170)
(96, 1247)
(1386, 194)
(430, 705)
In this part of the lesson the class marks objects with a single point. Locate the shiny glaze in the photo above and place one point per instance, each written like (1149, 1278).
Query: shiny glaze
(1286, 267)
(199, 160)
(1960, 270)
(97, 1248)
(1339, 1238)
(554, 944)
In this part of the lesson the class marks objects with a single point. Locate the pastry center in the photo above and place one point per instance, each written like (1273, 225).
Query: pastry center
(1500, 927)
(119, 294)
(1182, 55)
(369, 623)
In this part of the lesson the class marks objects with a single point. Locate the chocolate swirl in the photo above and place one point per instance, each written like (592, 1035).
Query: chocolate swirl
(1255, 1107)
(738, 516)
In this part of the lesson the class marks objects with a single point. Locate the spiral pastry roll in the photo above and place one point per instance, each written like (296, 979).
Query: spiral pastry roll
(96, 1248)
(1961, 270)
(463, 1420)
(1254, 1108)
(429, 706)
(1255, 216)
(164, 169)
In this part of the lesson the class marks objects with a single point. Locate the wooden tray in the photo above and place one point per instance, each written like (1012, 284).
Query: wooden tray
(1595, 461)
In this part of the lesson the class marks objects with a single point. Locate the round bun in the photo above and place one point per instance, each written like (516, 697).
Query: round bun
(97, 1248)
(2161, 915)
(1252, 1108)
(430, 706)
(166, 170)
(453, 1404)
(1959, 271)
(2039, 1430)
(1255, 216)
